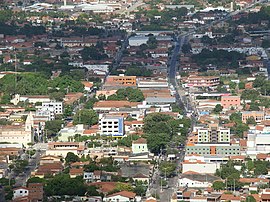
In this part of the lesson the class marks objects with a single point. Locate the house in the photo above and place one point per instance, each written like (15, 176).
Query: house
(200, 167)
(88, 176)
(74, 172)
(230, 197)
(151, 199)
(141, 177)
(139, 146)
(97, 175)
(122, 196)
(87, 85)
(20, 192)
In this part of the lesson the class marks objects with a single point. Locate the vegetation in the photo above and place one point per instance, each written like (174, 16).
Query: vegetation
(85, 116)
(130, 94)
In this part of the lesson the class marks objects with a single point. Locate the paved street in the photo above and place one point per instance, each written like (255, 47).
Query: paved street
(22, 178)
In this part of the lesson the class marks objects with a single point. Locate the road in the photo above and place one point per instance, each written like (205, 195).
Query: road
(21, 179)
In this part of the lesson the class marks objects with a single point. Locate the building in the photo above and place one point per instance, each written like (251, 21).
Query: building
(139, 146)
(22, 134)
(121, 81)
(228, 102)
(200, 167)
(201, 81)
(196, 180)
(258, 116)
(122, 196)
(214, 134)
(213, 149)
(54, 107)
(20, 192)
(111, 126)
(111, 105)
(35, 191)
(137, 40)
(258, 143)
(62, 148)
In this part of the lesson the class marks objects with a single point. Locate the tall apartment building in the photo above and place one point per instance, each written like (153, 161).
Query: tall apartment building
(111, 126)
(214, 134)
(56, 107)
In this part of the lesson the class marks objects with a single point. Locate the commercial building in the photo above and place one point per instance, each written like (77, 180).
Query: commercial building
(228, 102)
(258, 143)
(201, 81)
(258, 116)
(121, 81)
(200, 167)
(62, 148)
(213, 149)
(111, 126)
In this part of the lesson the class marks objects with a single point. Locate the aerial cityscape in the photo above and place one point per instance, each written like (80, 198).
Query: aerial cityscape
(134, 101)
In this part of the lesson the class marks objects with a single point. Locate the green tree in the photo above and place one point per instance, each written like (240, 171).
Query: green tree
(157, 141)
(236, 117)
(92, 191)
(152, 42)
(53, 127)
(218, 108)
(241, 85)
(218, 185)
(62, 185)
(71, 158)
(167, 168)
(251, 120)
(85, 116)
(250, 199)
(259, 81)
(130, 94)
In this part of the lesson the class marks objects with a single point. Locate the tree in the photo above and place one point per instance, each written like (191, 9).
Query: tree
(53, 127)
(156, 123)
(218, 108)
(71, 158)
(152, 42)
(157, 141)
(85, 116)
(251, 120)
(167, 168)
(259, 81)
(250, 199)
(250, 94)
(236, 117)
(35, 180)
(186, 48)
(62, 185)
(92, 191)
(130, 94)
(241, 85)
(218, 185)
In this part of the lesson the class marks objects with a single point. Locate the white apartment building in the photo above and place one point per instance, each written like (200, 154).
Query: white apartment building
(214, 134)
(55, 107)
(111, 126)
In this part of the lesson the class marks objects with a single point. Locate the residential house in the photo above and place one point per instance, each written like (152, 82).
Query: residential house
(139, 146)
(122, 196)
